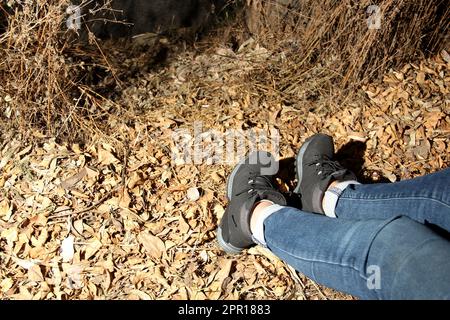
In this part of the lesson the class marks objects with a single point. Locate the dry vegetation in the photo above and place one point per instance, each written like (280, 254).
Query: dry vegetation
(343, 36)
(113, 216)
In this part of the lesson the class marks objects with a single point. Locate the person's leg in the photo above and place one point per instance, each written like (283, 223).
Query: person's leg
(328, 188)
(371, 259)
(425, 199)
(391, 258)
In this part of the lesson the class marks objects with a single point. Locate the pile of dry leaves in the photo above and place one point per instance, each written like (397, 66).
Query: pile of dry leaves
(103, 221)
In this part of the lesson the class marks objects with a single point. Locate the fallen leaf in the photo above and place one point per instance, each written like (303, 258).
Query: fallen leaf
(35, 274)
(420, 77)
(6, 210)
(11, 236)
(41, 239)
(26, 264)
(183, 226)
(6, 284)
(73, 180)
(134, 180)
(358, 136)
(92, 248)
(140, 294)
(124, 198)
(153, 245)
(106, 158)
(74, 275)
(446, 56)
(432, 119)
(78, 225)
(216, 286)
(218, 211)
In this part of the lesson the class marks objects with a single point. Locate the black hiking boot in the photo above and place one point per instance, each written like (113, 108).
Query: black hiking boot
(251, 181)
(316, 170)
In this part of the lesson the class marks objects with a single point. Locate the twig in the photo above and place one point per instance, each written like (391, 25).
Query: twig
(320, 291)
(125, 164)
(91, 207)
(73, 229)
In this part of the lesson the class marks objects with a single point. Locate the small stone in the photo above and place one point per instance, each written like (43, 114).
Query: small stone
(193, 194)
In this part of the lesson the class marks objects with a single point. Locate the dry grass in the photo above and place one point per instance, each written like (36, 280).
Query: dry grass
(45, 75)
(335, 35)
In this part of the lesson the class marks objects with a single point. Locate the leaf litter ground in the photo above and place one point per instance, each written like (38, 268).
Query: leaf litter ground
(100, 221)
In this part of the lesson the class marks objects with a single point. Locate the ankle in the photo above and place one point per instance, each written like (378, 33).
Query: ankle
(257, 210)
(332, 195)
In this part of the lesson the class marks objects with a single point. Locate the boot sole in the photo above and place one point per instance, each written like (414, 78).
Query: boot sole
(230, 179)
(227, 247)
(299, 171)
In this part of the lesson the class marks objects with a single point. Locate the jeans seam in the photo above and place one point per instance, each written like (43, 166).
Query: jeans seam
(394, 198)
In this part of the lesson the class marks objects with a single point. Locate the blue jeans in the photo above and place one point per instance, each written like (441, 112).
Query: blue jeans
(379, 247)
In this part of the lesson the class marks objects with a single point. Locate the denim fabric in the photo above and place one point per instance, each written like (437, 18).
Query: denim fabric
(379, 247)
(395, 258)
(425, 200)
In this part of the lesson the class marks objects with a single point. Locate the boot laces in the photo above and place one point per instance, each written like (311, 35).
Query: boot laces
(325, 166)
(257, 183)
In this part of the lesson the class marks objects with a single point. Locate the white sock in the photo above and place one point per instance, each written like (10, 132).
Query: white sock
(258, 230)
(332, 195)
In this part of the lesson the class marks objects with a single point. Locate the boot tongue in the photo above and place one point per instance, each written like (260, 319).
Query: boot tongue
(344, 175)
(272, 195)
(341, 175)
(262, 181)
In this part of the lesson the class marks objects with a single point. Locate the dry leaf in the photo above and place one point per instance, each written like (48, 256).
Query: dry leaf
(78, 225)
(74, 275)
(358, 136)
(40, 241)
(219, 211)
(72, 181)
(183, 226)
(124, 199)
(224, 271)
(91, 248)
(134, 180)
(6, 284)
(35, 274)
(11, 236)
(166, 175)
(106, 158)
(140, 294)
(432, 119)
(446, 56)
(26, 264)
(153, 245)
(420, 77)
(6, 210)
